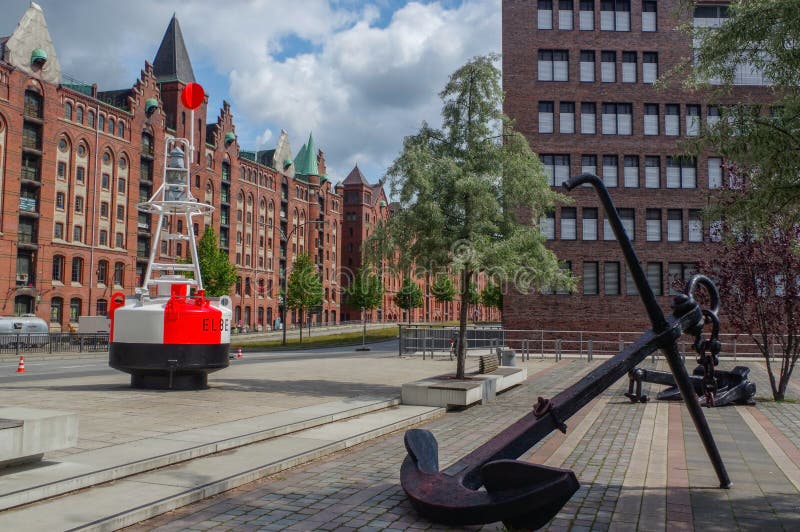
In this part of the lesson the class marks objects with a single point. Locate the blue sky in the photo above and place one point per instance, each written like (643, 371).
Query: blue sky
(361, 75)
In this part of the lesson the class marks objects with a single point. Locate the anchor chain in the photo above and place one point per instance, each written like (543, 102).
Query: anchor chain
(708, 354)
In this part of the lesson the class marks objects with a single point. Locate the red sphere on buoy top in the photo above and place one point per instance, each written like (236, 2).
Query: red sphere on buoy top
(192, 95)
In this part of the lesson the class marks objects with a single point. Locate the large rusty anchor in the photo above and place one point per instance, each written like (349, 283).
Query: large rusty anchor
(489, 485)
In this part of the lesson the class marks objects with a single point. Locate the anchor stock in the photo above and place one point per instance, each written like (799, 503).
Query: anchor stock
(525, 495)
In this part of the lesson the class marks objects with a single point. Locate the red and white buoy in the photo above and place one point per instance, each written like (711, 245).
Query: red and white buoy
(166, 336)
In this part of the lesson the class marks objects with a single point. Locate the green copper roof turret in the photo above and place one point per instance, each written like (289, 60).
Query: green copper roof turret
(230, 136)
(307, 165)
(38, 56)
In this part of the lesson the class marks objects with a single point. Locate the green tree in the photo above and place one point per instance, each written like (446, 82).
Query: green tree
(492, 296)
(466, 191)
(365, 292)
(304, 288)
(442, 288)
(763, 145)
(409, 296)
(215, 266)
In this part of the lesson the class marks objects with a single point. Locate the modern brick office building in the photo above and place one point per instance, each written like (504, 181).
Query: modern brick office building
(75, 161)
(578, 76)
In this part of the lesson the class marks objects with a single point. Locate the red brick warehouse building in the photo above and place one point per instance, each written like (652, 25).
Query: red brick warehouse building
(75, 161)
(579, 79)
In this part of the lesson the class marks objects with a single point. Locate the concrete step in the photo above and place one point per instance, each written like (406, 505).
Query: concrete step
(81, 470)
(127, 501)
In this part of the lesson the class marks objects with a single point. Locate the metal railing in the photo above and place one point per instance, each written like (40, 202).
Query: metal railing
(53, 343)
(429, 340)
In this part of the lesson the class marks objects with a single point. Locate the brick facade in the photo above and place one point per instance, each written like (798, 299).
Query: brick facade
(526, 51)
(70, 234)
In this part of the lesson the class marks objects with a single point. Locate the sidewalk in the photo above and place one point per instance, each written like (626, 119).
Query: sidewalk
(641, 467)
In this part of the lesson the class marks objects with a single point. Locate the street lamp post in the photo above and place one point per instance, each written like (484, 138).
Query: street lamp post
(284, 296)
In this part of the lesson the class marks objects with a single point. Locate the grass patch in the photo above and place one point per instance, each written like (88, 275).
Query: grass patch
(327, 340)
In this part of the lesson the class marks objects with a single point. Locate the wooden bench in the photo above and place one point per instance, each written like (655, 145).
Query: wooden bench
(487, 364)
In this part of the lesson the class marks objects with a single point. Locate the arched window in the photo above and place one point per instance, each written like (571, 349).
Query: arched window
(58, 268)
(77, 270)
(33, 104)
(56, 310)
(111, 125)
(79, 115)
(90, 121)
(68, 111)
(102, 272)
(75, 305)
(101, 122)
(119, 274)
(121, 129)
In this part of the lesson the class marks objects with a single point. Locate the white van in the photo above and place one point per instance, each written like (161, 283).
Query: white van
(30, 330)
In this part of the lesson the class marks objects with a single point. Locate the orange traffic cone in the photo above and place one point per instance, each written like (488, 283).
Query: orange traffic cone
(239, 353)
(21, 367)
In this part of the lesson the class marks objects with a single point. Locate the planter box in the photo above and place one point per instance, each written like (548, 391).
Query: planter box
(27, 433)
(446, 392)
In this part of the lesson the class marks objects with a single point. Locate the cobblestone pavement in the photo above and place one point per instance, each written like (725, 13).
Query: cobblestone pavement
(641, 467)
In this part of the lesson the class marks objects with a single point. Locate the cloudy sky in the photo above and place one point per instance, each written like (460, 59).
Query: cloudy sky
(361, 75)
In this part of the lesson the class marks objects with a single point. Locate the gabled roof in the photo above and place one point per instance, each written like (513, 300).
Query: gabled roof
(355, 177)
(172, 60)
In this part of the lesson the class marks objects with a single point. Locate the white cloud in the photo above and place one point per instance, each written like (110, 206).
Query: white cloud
(358, 86)
(262, 141)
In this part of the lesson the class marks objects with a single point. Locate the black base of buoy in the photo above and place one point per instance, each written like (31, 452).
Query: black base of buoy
(191, 381)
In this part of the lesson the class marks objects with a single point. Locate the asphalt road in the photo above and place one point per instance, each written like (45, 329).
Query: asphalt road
(83, 367)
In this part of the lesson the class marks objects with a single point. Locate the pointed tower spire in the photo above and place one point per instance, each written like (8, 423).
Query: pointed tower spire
(305, 162)
(172, 60)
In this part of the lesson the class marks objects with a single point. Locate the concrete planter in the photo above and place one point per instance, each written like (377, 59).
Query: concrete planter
(446, 392)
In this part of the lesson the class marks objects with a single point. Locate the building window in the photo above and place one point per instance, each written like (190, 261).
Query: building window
(68, 111)
(610, 170)
(695, 225)
(58, 268)
(119, 240)
(652, 171)
(79, 114)
(103, 237)
(649, 67)
(654, 277)
(545, 15)
(681, 172)
(553, 65)
(649, 15)
(587, 66)
(569, 220)
(119, 273)
(56, 310)
(588, 118)
(120, 129)
(679, 272)
(62, 170)
(651, 119)
(121, 212)
(101, 122)
(631, 172)
(712, 115)
(547, 223)
(74, 309)
(589, 164)
(102, 272)
(58, 230)
(565, 14)
(653, 225)
(77, 234)
(60, 198)
(90, 120)
(121, 185)
(674, 225)
(628, 217)
(714, 172)
(590, 278)
(104, 179)
(692, 120)
(629, 67)
(608, 66)
(545, 117)
(589, 229)
(104, 209)
(615, 15)
(79, 174)
(586, 15)
(617, 119)
(611, 278)
(566, 117)
(79, 204)
(672, 120)
(77, 270)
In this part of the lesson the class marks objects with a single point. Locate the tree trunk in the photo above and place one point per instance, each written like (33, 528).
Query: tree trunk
(461, 351)
(301, 324)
